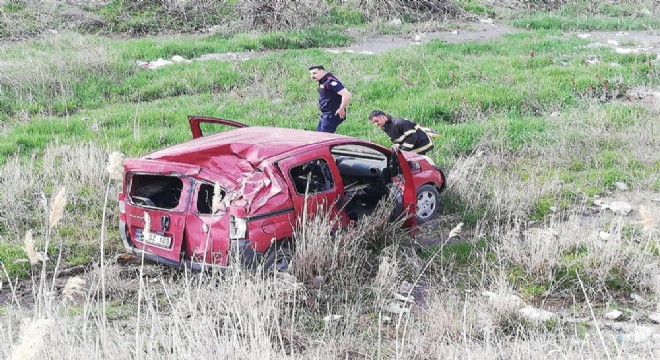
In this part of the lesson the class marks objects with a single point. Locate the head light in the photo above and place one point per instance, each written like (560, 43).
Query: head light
(429, 160)
(237, 228)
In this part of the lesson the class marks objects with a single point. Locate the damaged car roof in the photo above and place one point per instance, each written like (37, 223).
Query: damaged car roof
(253, 144)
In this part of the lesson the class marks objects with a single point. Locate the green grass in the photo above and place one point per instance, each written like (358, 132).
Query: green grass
(12, 256)
(481, 96)
(592, 15)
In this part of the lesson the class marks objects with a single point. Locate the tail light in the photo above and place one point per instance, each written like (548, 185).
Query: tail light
(122, 207)
(237, 228)
(237, 223)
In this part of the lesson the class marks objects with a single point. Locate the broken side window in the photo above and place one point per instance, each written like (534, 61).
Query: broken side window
(312, 177)
(205, 198)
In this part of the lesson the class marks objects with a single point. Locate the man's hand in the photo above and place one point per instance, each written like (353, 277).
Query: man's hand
(341, 112)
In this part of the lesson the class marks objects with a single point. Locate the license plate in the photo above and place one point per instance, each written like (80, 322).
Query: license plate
(154, 239)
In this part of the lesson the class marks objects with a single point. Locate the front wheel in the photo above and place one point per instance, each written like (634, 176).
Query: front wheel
(278, 258)
(428, 203)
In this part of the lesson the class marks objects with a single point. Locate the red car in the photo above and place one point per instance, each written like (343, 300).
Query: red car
(266, 179)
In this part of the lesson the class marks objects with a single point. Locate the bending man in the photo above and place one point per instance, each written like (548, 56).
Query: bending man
(404, 133)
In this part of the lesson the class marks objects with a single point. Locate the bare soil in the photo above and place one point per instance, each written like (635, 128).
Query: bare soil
(471, 32)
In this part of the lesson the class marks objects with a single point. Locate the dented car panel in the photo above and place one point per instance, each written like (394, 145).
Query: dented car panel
(242, 192)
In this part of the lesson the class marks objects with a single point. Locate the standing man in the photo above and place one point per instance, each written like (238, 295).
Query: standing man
(404, 133)
(333, 99)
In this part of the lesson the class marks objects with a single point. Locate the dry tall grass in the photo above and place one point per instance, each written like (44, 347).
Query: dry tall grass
(22, 183)
(347, 295)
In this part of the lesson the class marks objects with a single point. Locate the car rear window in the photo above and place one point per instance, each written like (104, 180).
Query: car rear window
(156, 191)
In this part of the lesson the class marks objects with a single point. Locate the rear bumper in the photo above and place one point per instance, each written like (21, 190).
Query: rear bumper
(145, 254)
(249, 258)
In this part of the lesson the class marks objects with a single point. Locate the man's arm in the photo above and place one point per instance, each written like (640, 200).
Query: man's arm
(345, 100)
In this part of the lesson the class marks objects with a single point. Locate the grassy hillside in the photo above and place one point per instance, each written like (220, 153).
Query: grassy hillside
(542, 131)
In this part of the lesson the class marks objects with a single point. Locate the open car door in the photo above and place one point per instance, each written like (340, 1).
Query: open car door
(196, 121)
(312, 178)
(403, 178)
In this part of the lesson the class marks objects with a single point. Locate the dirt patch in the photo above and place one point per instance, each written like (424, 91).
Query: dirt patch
(380, 44)
(622, 42)
(482, 31)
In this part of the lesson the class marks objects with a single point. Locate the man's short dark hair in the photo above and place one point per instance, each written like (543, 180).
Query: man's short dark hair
(375, 113)
(316, 67)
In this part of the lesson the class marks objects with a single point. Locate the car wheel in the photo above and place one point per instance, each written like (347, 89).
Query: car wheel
(278, 258)
(428, 203)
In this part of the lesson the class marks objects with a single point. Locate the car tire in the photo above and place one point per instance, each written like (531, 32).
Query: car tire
(278, 257)
(428, 203)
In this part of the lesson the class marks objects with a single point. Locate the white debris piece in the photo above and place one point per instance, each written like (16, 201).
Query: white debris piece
(503, 301)
(604, 235)
(332, 317)
(159, 63)
(621, 185)
(625, 50)
(620, 208)
(655, 317)
(486, 21)
(178, 58)
(613, 42)
(537, 315)
(613, 315)
(405, 299)
(636, 298)
(143, 64)
(583, 36)
(396, 308)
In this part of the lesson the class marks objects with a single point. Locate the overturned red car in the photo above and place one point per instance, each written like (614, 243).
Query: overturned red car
(241, 193)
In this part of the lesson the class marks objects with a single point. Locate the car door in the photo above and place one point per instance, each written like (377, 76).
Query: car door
(207, 233)
(403, 178)
(148, 188)
(313, 182)
(197, 121)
